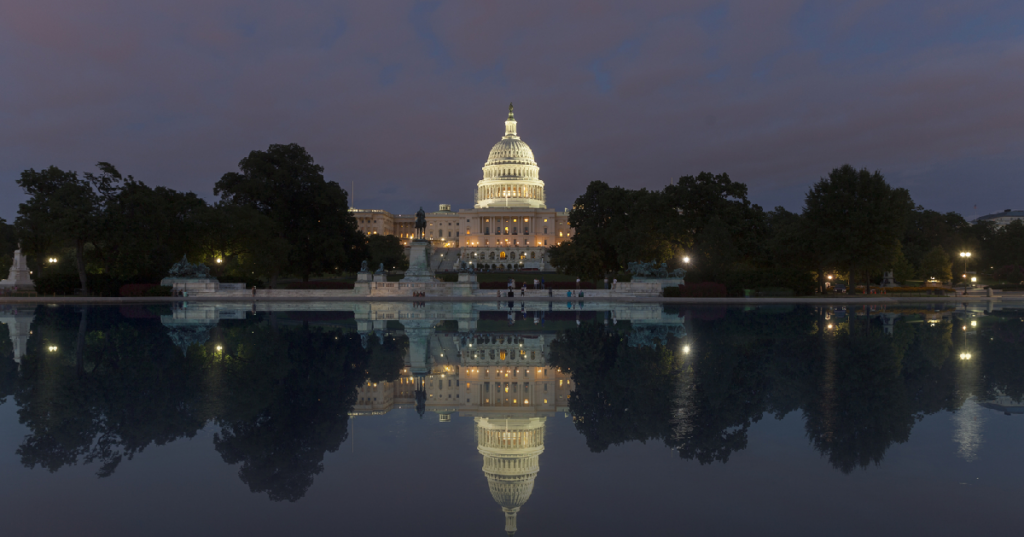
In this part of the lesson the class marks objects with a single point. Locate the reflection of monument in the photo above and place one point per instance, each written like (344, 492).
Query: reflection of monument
(511, 448)
(19, 326)
(19, 276)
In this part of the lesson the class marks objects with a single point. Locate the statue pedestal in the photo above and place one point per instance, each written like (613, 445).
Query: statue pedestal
(20, 276)
(419, 263)
(466, 285)
(191, 285)
(364, 277)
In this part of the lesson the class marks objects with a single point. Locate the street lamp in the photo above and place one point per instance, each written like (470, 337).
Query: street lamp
(965, 256)
(686, 259)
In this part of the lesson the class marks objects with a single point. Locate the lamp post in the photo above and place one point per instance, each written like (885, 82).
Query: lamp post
(965, 256)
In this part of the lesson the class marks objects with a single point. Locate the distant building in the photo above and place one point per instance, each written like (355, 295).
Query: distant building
(1003, 218)
(509, 225)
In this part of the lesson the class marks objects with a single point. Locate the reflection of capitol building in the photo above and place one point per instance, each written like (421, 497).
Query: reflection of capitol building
(509, 225)
(505, 384)
(511, 449)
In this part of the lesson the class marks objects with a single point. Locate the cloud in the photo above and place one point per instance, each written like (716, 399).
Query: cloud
(406, 98)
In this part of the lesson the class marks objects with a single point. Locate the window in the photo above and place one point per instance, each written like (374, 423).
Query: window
(545, 242)
(545, 229)
(487, 230)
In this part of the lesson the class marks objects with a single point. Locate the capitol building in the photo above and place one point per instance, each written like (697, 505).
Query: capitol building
(509, 226)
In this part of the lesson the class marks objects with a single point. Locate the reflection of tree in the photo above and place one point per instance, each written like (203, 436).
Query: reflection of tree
(735, 365)
(859, 389)
(387, 357)
(863, 406)
(622, 393)
(110, 390)
(286, 397)
(1000, 347)
(8, 369)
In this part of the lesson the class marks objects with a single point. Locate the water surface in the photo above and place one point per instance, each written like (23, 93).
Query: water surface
(483, 419)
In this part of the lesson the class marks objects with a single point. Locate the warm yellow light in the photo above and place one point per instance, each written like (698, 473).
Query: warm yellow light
(965, 356)
(973, 279)
(52, 348)
(974, 323)
(219, 348)
(686, 259)
(829, 327)
(830, 276)
(219, 260)
(686, 349)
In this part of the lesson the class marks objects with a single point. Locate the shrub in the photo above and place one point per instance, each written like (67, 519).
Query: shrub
(249, 282)
(135, 289)
(448, 277)
(529, 285)
(61, 284)
(324, 284)
(800, 282)
(696, 290)
(158, 290)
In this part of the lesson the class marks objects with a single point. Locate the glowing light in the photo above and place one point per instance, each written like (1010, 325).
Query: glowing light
(965, 356)
(52, 348)
(686, 349)
(219, 348)
(686, 259)
(219, 260)
(829, 326)
(974, 323)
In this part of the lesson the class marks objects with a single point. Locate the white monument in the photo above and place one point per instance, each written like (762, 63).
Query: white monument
(20, 276)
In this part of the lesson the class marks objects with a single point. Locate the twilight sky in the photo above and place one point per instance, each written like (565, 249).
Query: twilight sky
(405, 99)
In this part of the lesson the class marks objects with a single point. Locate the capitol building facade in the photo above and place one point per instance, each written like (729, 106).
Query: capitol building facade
(509, 226)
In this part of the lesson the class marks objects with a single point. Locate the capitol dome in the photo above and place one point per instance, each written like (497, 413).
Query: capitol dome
(511, 175)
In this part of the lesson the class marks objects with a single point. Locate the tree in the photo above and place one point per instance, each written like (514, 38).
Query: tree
(710, 199)
(791, 244)
(386, 249)
(8, 243)
(63, 209)
(858, 220)
(614, 226)
(309, 213)
(902, 269)
(936, 264)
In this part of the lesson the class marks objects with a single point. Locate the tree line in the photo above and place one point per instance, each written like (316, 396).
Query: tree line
(853, 223)
(276, 216)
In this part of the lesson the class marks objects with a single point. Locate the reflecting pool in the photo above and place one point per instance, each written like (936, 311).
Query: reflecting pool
(508, 417)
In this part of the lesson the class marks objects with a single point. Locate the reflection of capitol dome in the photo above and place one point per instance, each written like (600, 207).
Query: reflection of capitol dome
(511, 450)
(511, 176)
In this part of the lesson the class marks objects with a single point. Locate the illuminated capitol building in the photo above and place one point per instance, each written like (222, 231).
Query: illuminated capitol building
(509, 225)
